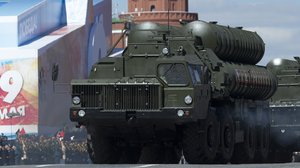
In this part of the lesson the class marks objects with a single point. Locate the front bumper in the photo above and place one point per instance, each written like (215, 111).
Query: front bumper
(286, 135)
(285, 125)
(100, 116)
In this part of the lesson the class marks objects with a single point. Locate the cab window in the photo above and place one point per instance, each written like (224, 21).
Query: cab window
(173, 74)
(195, 72)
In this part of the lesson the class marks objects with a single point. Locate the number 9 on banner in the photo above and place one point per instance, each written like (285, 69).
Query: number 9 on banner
(11, 82)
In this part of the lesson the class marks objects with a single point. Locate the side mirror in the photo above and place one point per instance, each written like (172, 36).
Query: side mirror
(127, 25)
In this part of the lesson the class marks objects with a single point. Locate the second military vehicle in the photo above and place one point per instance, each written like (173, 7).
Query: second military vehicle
(285, 109)
(193, 91)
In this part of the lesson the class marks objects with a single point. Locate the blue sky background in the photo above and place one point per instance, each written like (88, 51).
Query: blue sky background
(276, 21)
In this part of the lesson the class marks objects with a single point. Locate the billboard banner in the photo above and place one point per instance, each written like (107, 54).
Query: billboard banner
(18, 95)
(21, 23)
(35, 77)
(2, 3)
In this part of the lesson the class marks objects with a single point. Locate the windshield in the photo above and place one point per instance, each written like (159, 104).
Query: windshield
(173, 74)
(195, 71)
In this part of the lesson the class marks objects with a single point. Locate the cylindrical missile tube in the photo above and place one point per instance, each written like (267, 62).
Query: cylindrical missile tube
(229, 44)
(251, 82)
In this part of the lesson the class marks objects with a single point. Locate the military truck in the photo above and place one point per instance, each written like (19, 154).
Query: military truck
(285, 108)
(193, 91)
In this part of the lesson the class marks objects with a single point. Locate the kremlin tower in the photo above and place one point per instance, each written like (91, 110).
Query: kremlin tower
(159, 11)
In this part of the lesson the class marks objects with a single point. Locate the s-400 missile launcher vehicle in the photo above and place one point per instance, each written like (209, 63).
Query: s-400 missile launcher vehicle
(285, 109)
(192, 91)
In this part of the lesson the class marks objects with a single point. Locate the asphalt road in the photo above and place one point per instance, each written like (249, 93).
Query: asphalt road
(287, 165)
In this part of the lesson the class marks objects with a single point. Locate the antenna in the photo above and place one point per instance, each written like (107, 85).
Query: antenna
(169, 16)
(169, 48)
(115, 12)
(126, 30)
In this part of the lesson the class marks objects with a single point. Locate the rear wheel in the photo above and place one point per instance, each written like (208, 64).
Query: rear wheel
(227, 138)
(201, 140)
(245, 152)
(263, 139)
(102, 148)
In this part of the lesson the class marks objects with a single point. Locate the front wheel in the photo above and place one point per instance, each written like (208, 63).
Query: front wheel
(227, 138)
(263, 139)
(152, 154)
(245, 152)
(102, 148)
(130, 154)
(201, 140)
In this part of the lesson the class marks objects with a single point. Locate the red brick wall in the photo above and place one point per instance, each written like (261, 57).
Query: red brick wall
(160, 5)
(139, 11)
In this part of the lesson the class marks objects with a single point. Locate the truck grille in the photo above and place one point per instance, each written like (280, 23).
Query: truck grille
(118, 97)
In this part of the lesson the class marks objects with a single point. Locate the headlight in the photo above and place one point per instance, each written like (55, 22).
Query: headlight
(180, 113)
(81, 113)
(165, 51)
(188, 99)
(76, 100)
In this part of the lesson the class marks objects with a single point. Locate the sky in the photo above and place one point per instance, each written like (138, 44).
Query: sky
(276, 21)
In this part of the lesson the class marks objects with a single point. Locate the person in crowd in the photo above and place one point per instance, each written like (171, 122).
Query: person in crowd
(1, 156)
(39, 149)
(5, 155)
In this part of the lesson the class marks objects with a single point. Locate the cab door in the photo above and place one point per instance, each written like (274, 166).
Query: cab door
(202, 90)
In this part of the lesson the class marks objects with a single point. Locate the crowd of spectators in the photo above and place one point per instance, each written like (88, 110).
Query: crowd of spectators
(7, 152)
(34, 149)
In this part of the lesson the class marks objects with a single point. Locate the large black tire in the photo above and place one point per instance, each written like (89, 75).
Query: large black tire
(159, 153)
(227, 138)
(102, 148)
(152, 154)
(245, 152)
(130, 154)
(263, 140)
(296, 157)
(279, 154)
(201, 140)
(172, 155)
